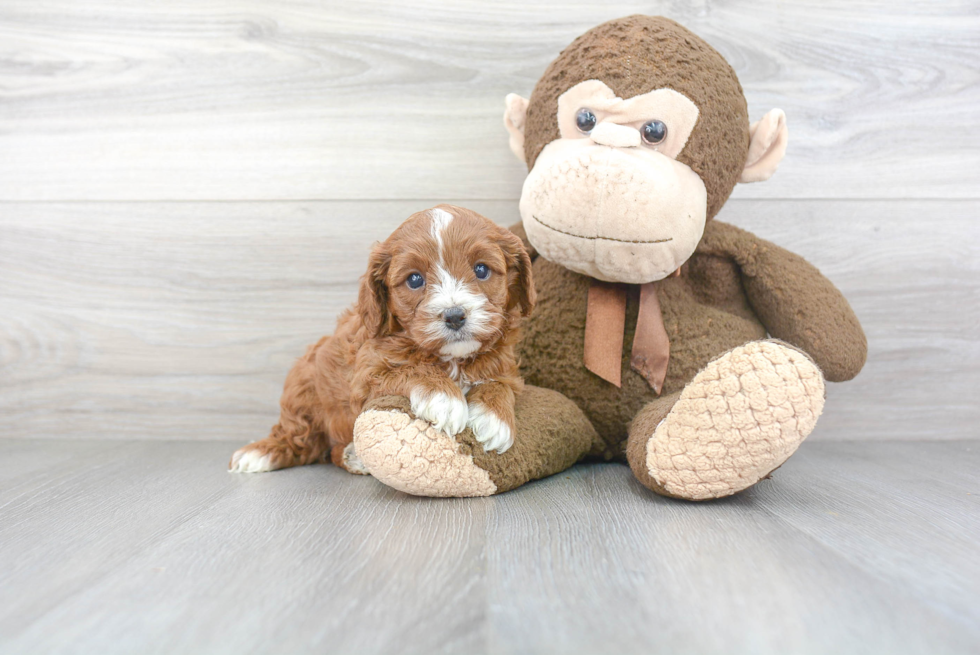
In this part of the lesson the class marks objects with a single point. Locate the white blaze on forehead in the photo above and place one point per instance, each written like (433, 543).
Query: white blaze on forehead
(440, 221)
(447, 292)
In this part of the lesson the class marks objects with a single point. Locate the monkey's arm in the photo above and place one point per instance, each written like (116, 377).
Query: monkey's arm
(794, 301)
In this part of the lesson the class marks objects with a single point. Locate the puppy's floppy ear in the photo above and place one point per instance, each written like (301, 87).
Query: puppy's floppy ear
(372, 299)
(520, 291)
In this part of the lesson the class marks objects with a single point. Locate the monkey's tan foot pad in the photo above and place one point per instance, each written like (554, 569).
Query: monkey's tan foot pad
(410, 455)
(739, 419)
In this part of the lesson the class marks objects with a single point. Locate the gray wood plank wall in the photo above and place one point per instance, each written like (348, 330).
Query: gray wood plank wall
(188, 189)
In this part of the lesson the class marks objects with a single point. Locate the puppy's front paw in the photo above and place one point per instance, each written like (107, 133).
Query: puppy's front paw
(446, 413)
(489, 430)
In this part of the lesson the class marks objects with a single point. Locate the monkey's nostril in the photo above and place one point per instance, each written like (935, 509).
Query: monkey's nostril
(454, 317)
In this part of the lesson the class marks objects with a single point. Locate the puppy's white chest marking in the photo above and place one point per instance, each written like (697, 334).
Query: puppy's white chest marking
(459, 376)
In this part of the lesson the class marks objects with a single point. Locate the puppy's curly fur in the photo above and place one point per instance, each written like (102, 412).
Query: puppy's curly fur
(436, 320)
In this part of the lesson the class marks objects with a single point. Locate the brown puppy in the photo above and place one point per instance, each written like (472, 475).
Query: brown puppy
(436, 320)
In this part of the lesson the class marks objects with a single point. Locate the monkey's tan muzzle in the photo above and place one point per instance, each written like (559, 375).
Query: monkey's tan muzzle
(616, 215)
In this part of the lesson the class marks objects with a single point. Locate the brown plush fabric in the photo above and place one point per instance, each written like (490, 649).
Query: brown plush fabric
(708, 310)
(560, 435)
(639, 54)
(794, 301)
(640, 430)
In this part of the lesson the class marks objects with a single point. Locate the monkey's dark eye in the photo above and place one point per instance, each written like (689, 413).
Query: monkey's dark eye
(482, 271)
(585, 120)
(415, 281)
(654, 132)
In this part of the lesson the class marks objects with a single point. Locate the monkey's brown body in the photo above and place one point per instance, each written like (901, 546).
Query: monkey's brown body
(609, 197)
(707, 312)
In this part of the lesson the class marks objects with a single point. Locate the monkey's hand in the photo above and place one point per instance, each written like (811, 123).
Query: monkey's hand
(794, 301)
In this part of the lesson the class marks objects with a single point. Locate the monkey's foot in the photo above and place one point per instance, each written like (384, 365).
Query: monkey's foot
(409, 454)
(738, 420)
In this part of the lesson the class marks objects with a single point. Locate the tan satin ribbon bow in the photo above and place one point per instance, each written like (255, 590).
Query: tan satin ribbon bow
(604, 325)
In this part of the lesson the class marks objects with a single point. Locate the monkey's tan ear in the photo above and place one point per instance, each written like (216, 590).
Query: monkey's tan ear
(766, 148)
(515, 111)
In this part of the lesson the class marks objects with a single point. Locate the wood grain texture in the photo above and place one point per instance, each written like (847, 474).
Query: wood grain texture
(750, 574)
(153, 548)
(381, 99)
(180, 320)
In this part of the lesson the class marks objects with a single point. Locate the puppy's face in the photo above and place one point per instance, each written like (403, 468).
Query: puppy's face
(450, 280)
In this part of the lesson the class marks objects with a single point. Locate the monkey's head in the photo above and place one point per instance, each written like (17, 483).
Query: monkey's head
(634, 137)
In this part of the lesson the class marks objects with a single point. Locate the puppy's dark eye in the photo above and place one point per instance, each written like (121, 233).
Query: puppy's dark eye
(585, 120)
(482, 271)
(654, 132)
(415, 281)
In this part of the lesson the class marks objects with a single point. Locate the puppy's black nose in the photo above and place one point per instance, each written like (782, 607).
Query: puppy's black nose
(454, 317)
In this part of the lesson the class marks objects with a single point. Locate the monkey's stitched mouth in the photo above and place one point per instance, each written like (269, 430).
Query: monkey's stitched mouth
(579, 236)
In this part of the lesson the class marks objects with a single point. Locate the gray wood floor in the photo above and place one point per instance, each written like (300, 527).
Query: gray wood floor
(150, 547)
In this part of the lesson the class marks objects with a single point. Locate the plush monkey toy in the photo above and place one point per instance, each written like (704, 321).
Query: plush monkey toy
(691, 349)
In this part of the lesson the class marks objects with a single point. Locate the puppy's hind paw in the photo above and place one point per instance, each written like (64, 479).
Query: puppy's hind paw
(489, 430)
(250, 460)
(446, 413)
